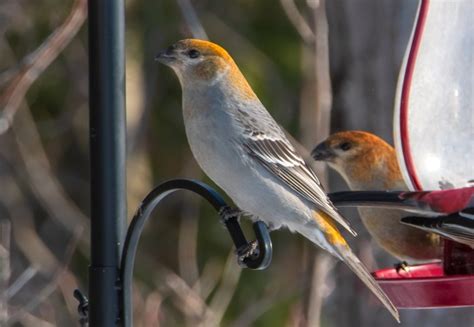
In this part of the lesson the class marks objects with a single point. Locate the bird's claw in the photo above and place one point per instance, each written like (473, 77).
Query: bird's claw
(402, 266)
(250, 250)
(227, 213)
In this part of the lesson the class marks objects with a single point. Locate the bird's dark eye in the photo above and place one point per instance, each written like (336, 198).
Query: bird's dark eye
(193, 53)
(345, 146)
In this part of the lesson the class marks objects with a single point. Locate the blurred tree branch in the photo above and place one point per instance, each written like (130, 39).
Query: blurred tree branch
(224, 293)
(192, 20)
(256, 309)
(47, 188)
(190, 303)
(298, 21)
(316, 122)
(208, 279)
(151, 315)
(34, 249)
(314, 126)
(45, 185)
(188, 230)
(29, 320)
(25, 276)
(5, 230)
(33, 65)
(61, 272)
(242, 47)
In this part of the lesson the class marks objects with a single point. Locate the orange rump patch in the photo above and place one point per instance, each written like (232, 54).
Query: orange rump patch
(329, 229)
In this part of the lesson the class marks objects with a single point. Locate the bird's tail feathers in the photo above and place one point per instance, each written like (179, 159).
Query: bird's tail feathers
(317, 237)
(351, 260)
(331, 213)
(329, 238)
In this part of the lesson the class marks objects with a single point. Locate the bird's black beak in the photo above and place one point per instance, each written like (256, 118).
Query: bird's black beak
(168, 56)
(322, 152)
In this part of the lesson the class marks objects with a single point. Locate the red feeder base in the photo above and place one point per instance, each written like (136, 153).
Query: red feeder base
(426, 286)
(432, 285)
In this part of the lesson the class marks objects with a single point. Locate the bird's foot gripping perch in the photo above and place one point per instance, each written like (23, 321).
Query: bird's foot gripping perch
(402, 266)
(250, 251)
(227, 213)
(256, 254)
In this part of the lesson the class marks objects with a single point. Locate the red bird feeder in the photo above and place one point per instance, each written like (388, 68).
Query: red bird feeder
(434, 137)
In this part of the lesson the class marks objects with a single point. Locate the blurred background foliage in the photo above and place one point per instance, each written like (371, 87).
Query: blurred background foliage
(186, 273)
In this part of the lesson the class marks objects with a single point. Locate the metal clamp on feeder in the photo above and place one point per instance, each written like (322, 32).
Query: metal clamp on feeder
(254, 255)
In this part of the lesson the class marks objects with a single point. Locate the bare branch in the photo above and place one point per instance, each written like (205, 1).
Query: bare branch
(21, 281)
(33, 65)
(298, 21)
(188, 231)
(33, 248)
(256, 309)
(5, 230)
(27, 239)
(67, 284)
(314, 121)
(241, 45)
(44, 183)
(208, 279)
(192, 304)
(151, 316)
(46, 291)
(321, 72)
(192, 20)
(323, 264)
(29, 320)
(225, 292)
(7, 75)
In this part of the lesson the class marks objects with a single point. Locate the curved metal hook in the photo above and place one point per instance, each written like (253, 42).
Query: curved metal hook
(260, 260)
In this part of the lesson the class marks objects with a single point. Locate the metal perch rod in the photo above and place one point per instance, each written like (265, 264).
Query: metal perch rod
(260, 260)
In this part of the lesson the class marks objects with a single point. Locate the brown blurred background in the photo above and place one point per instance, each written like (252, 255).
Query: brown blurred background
(314, 64)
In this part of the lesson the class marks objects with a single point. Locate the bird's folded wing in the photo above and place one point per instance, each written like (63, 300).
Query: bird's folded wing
(457, 234)
(457, 228)
(461, 229)
(279, 157)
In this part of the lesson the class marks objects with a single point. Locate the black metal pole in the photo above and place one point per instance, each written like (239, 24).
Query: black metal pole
(108, 151)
